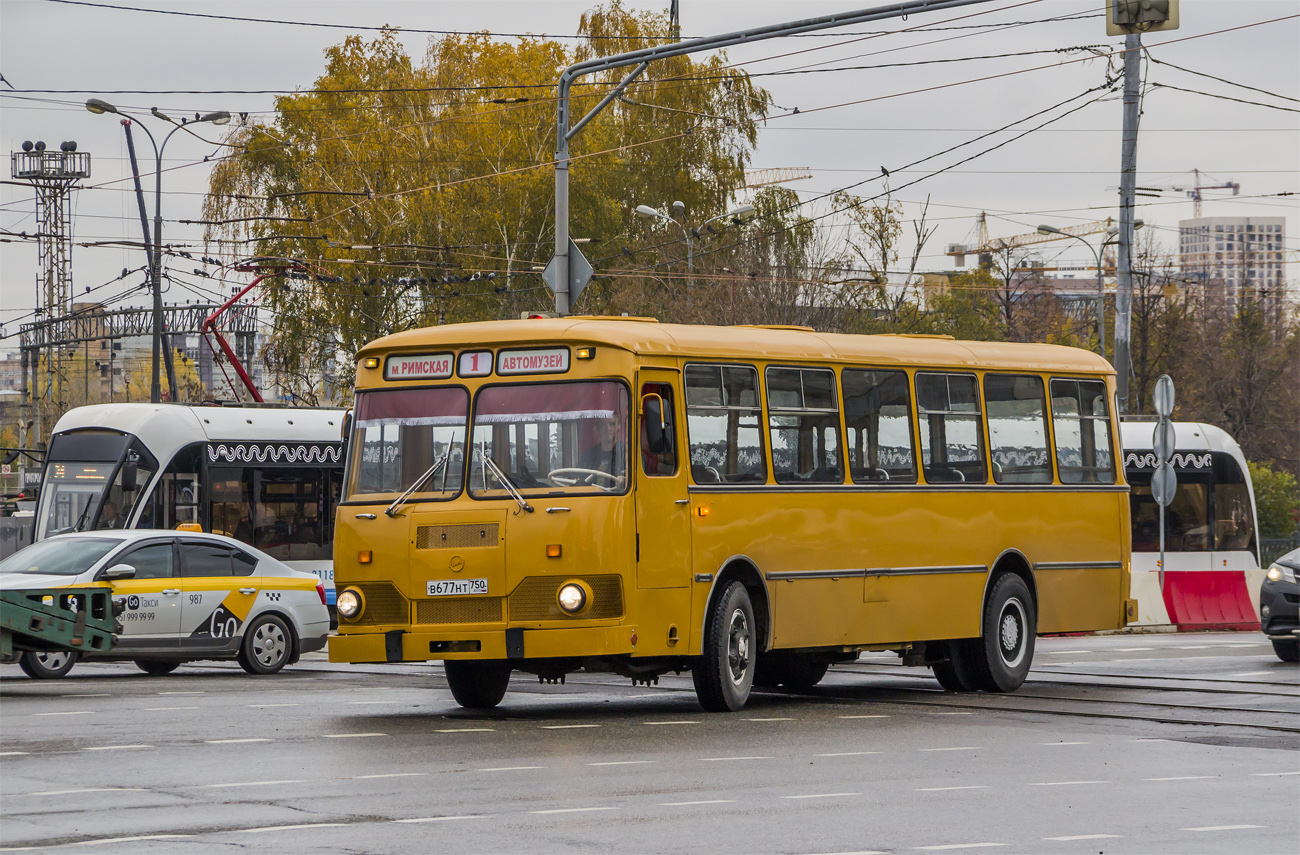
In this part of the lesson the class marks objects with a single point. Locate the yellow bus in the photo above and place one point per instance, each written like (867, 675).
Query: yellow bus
(751, 504)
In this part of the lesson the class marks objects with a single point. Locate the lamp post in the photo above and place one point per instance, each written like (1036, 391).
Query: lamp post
(737, 215)
(154, 247)
(1101, 290)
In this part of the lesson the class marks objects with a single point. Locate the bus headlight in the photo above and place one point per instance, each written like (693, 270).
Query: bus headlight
(572, 597)
(349, 604)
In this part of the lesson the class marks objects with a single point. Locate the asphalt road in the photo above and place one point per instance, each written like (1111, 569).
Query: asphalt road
(1137, 743)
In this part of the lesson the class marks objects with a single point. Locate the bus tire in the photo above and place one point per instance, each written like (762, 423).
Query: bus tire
(957, 673)
(724, 674)
(47, 664)
(1287, 649)
(477, 684)
(156, 667)
(1003, 654)
(268, 644)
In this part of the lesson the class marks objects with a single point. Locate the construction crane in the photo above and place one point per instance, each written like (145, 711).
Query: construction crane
(985, 245)
(1194, 192)
(764, 177)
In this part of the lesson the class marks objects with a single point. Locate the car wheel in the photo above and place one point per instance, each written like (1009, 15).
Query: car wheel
(156, 667)
(268, 644)
(1287, 649)
(47, 664)
(1002, 656)
(477, 684)
(724, 674)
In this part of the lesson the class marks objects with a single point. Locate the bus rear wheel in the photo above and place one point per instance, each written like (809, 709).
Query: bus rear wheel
(798, 672)
(724, 674)
(477, 684)
(958, 672)
(1005, 650)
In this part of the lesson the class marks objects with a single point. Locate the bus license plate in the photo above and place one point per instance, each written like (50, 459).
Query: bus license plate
(455, 587)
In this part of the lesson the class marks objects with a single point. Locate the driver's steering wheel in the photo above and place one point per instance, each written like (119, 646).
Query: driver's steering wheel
(570, 476)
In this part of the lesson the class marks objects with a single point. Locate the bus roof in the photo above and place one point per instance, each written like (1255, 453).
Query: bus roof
(647, 337)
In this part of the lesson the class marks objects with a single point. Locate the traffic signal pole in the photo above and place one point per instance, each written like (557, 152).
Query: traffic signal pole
(640, 59)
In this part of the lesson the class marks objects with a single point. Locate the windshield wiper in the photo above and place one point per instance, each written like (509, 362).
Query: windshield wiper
(391, 510)
(81, 519)
(489, 463)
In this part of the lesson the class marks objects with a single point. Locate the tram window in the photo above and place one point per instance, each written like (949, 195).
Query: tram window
(1082, 425)
(175, 500)
(665, 463)
(1234, 518)
(878, 418)
(804, 422)
(1187, 519)
(723, 423)
(1017, 429)
(952, 442)
(287, 512)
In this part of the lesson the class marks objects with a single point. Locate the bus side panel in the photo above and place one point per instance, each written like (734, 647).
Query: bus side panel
(1078, 600)
(920, 608)
(1088, 528)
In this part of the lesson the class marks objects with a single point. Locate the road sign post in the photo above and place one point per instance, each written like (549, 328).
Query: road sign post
(1164, 481)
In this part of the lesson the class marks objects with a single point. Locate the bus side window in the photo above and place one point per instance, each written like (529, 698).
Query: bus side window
(952, 441)
(804, 423)
(1081, 421)
(878, 417)
(1017, 429)
(664, 463)
(723, 424)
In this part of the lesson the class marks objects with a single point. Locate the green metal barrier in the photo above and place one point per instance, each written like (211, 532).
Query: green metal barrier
(56, 619)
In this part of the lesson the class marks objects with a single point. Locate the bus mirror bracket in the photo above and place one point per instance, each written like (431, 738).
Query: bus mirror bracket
(658, 439)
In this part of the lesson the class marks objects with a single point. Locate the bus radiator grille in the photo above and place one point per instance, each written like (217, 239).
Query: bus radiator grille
(384, 604)
(457, 536)
(476, 610)
(534, 599)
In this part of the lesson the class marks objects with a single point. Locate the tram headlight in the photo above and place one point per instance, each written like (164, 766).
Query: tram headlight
(572, 597)
(349, 604)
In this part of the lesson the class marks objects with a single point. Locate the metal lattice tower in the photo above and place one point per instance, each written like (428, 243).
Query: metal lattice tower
(53, 175)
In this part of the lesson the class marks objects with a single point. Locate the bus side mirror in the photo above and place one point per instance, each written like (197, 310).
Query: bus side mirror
(130, 472)
(658, 439)
(119, 571)
(347, 424)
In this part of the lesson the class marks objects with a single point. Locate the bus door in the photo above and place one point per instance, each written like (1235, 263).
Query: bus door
(663, 507)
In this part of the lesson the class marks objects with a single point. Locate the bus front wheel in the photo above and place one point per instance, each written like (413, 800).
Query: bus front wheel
(477, 684)
(724, 674)
(1005, 651)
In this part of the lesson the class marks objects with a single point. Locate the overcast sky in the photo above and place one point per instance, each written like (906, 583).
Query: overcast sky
(1064, 174)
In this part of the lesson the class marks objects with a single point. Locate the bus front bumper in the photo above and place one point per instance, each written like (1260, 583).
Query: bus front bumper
(418, 646)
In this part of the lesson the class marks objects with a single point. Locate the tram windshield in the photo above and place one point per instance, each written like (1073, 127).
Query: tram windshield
(81, 496)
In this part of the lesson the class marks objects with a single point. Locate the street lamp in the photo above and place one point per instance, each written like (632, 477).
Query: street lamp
(220, 117)
(1101, 292)
(738, 215)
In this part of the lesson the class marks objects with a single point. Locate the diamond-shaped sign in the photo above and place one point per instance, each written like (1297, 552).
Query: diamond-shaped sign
(579, 272)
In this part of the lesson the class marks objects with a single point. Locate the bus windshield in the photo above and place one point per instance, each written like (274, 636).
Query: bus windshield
(400, 434)
(550, 438)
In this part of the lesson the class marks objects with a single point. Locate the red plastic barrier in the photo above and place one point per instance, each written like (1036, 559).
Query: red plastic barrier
(1211, 599)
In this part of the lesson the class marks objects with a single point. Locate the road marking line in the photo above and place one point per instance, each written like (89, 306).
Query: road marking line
(1066, 783)
(849, 754)
(349, 735)
(1271, 774)
(1058, 653)
(658, 723)
(13, 753)
(444, 818)
(1192, 647)
(945, 789)
(250, 784)
(266, 828)
(87, 790)
(1224, 827)
(107, 695)
(114, 747)
(1117, 650)
(724, 759)
(234, 741)
(769, 719)
(1183, 778)
(269, 706)
(1249, 674)
(566, 726)
(961, 846)
(388, 775)
(167, 709)
(572, 810)
(182, 693)
(466, 730)
(78, 712)
(822, 796)
(622, 763)
(704, 802)
(1064, 743)
(962, 748)
(509, 768)
(1083, 837)
(130, 839)
(865, 716)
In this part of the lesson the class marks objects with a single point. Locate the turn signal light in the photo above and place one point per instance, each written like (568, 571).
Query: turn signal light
(704, 512)
(585, 353)
(364, 556)
(370, 362)
(552, 550)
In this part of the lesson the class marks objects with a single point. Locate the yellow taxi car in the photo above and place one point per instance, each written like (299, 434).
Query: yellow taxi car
(185, 597)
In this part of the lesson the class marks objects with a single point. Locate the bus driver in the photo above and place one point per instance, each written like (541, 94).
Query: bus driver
(608, 454)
